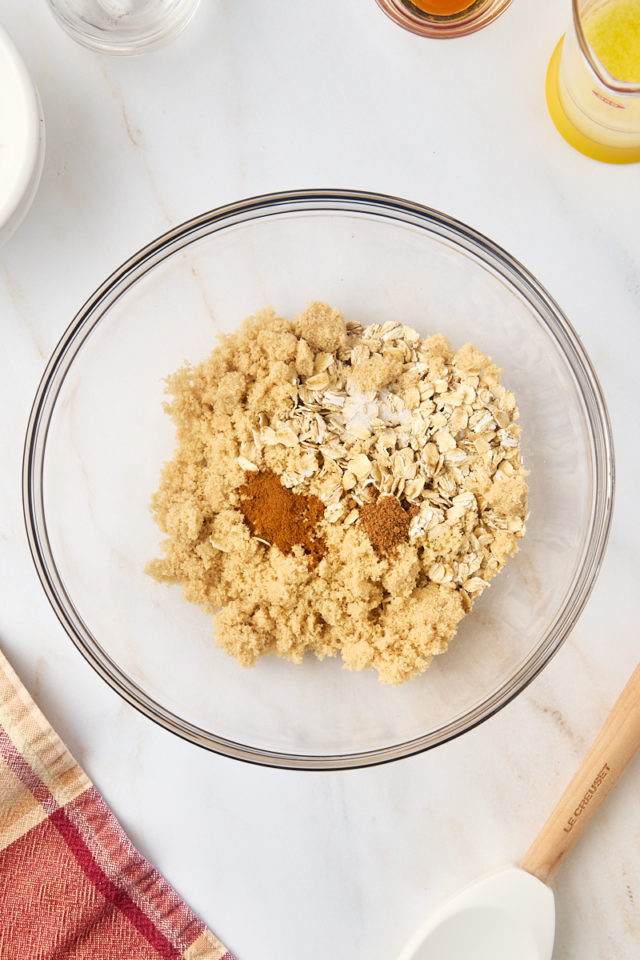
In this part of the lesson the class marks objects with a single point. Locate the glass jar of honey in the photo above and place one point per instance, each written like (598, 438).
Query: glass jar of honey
(443, 18)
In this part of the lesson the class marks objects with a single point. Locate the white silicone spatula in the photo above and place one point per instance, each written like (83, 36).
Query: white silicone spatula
(510, 915)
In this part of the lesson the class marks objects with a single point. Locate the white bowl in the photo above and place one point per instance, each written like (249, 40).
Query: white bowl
(21, 138)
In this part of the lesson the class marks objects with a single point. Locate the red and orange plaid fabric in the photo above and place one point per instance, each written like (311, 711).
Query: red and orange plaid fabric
(72, 885)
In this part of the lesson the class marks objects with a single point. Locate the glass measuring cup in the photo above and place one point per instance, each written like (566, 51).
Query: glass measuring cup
(595, 111)
(123, 26)
(443, 18)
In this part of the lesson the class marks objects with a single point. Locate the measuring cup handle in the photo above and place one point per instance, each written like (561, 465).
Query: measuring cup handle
(599, 772)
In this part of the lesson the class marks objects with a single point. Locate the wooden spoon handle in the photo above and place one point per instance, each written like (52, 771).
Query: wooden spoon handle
(598, 774)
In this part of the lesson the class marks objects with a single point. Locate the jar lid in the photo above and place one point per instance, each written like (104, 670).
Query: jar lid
(21, 138)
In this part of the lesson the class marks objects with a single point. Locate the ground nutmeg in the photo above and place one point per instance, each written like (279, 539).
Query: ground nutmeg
(386, 523)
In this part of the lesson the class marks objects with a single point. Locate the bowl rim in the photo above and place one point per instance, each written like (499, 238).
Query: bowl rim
(322, 200)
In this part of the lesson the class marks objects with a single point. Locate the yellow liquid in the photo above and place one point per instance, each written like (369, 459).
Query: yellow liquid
(613, 31)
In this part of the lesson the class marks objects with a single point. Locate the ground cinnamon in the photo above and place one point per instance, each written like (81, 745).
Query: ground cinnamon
(281, 517)
(386, 523)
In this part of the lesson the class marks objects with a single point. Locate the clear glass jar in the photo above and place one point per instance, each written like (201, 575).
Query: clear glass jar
(123, 26)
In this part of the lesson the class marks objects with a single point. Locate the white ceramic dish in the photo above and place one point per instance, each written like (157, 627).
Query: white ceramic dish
(21, 138)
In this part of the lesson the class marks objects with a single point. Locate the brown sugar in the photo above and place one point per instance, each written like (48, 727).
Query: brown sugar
(279, 516)
(322, 327)
(386, 523)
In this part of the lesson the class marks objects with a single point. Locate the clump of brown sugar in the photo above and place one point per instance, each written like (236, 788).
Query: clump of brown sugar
(339, 489)
(280, 517)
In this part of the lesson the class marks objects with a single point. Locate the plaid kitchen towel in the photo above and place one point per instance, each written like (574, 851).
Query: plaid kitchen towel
(72, 885)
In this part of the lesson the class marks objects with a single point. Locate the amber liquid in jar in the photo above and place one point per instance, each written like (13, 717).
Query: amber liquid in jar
(442, 8)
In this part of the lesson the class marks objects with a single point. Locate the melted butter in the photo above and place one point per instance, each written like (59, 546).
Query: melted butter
(613, 31)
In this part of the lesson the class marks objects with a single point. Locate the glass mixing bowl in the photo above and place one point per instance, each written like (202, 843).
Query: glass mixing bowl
(98, 436)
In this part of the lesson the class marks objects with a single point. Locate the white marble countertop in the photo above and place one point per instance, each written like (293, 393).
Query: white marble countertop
(256, 97)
